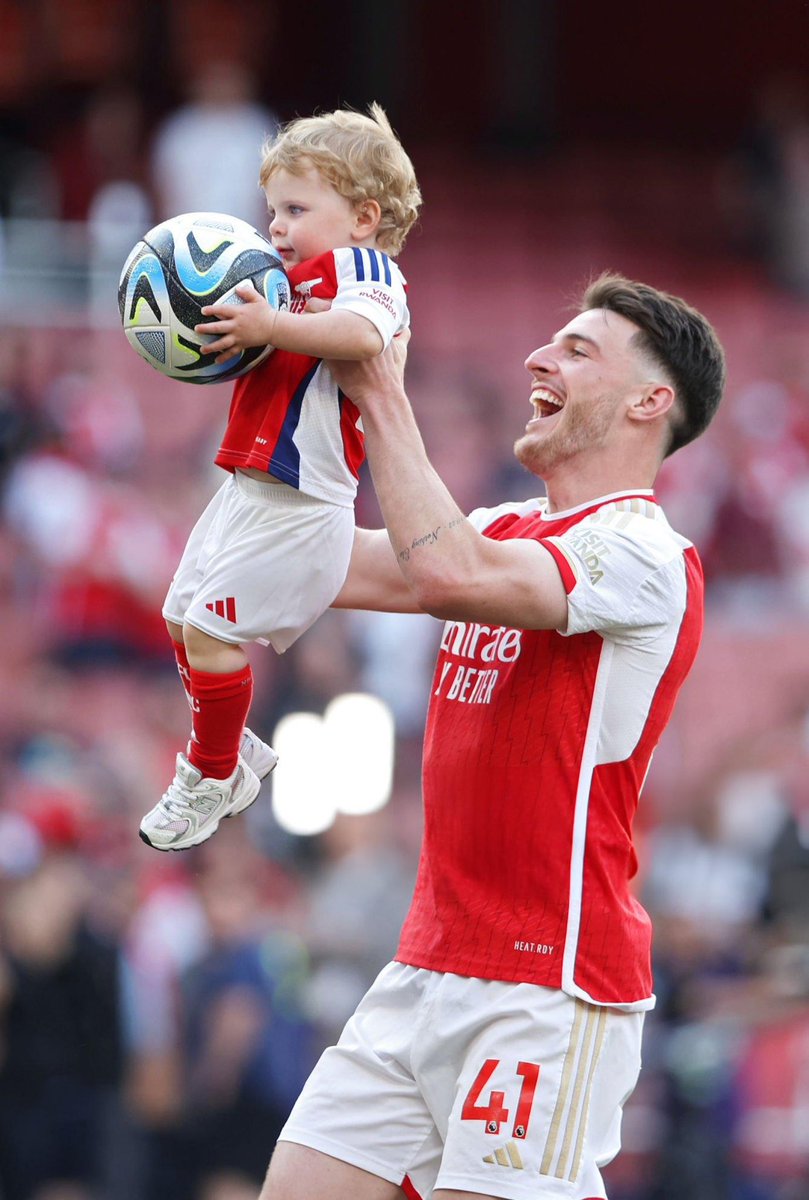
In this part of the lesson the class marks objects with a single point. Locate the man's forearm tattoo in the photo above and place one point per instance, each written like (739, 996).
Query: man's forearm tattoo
(428, 539)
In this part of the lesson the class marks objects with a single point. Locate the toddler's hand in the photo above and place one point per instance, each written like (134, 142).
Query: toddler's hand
(248, 322)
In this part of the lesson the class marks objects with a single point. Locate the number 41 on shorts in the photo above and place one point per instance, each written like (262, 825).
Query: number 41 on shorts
(494, 1113)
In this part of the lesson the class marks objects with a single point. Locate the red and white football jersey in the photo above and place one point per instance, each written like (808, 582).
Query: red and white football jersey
(288, 416)
(536, 749)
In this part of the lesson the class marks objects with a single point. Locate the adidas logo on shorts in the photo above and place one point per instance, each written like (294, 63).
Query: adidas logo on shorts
(224, 608)
(505, 1156)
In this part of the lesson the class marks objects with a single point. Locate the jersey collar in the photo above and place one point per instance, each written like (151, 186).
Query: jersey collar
(599, 502)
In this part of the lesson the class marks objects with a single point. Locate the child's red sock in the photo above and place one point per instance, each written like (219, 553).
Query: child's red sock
(220, 707)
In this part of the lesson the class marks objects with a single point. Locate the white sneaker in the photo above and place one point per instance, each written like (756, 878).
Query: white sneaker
(190, 810)
(257, 754)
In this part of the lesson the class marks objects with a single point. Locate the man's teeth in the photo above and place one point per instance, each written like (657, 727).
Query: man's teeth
(540, 396)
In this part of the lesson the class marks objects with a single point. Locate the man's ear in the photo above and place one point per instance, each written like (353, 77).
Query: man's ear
(654, 401)
(367, 215)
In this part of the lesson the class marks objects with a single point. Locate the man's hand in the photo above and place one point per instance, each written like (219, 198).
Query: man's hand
(376, 377)
(249, 323)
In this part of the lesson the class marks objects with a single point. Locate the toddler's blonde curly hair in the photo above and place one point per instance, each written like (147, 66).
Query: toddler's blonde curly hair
(361, 157)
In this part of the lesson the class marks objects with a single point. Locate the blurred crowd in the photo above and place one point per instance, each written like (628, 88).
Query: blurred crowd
(158, 1017)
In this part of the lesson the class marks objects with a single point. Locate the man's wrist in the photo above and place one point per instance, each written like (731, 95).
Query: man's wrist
(384, 404)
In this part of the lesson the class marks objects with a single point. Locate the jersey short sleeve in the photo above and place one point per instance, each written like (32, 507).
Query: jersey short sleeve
(370, 283)
(624, 574)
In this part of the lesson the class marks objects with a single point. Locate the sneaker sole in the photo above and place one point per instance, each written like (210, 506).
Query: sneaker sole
(205, 834)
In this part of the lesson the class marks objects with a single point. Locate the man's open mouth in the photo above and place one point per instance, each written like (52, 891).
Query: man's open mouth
(545, 403)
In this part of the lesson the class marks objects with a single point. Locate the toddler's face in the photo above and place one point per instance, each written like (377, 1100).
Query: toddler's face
(308, 216)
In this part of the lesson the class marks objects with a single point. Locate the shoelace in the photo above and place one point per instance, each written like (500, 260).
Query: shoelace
(174, 804)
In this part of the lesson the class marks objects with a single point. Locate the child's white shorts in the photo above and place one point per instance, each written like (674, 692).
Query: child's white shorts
(508, 1089)
(261, 564)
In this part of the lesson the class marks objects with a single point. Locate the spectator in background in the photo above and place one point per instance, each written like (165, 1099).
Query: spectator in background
(59, 1029)
(765, 184)
(104, 148)
(365, 872)
(205, 156)
(248, 1046)
(98, 554)
(20, 424)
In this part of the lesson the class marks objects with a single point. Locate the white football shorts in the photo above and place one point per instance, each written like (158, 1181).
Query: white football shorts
(509, 1089)
(261, 564)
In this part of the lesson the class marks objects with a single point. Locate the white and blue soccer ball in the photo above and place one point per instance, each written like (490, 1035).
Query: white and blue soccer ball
(178, 267)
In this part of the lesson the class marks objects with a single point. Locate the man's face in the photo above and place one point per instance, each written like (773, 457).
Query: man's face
(581, 383)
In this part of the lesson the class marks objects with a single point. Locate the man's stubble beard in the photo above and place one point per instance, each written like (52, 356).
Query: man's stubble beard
(582, 430)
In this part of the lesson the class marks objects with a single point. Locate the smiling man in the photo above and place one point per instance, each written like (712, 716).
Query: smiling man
(494, 1055)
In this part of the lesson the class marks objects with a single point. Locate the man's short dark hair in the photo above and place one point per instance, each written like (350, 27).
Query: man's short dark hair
(677, 338)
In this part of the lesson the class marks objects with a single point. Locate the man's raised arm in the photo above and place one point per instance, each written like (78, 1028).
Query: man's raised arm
(374, 581)
(452, 571)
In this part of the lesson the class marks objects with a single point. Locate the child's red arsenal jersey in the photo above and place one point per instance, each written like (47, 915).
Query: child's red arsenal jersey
(536, 749)
(288, 416)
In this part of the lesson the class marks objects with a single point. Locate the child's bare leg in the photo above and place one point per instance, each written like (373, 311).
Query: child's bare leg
(206, 653)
